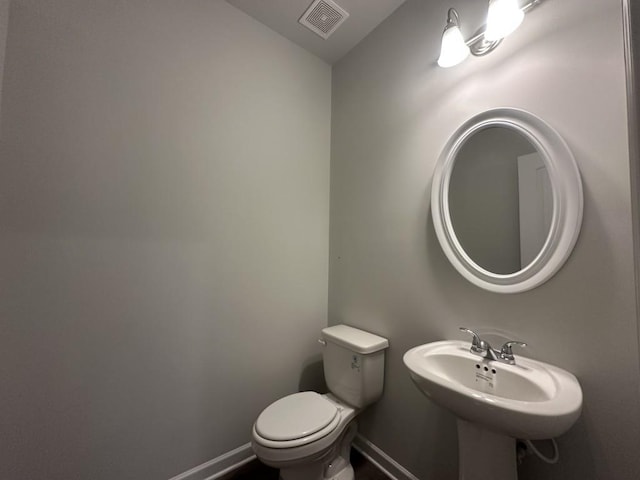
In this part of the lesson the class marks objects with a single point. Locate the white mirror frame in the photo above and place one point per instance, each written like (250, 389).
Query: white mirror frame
(567, 201)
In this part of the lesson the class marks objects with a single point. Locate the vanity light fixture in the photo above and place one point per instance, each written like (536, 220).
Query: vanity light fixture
(454, 49)
(503, 18)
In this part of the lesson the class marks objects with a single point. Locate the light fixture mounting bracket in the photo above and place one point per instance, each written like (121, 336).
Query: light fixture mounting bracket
(480, 46)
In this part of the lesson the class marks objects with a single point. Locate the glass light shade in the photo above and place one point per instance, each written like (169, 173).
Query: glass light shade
(454, 49)
(503, 18)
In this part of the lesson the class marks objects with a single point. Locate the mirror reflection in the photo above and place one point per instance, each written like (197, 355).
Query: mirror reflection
(500, 200)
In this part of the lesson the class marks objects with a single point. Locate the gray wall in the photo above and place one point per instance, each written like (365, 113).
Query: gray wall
(164, 179)
(393, 111)
(4, 25)
(632, 38)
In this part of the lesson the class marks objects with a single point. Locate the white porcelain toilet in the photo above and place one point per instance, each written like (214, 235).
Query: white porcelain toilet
(307, 435)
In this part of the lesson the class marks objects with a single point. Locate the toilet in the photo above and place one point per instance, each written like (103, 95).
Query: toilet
(308, 435)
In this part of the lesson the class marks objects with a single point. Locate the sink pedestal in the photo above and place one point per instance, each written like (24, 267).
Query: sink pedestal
(484, 454)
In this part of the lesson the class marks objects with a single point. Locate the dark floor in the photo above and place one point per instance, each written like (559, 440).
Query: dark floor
(255, 470)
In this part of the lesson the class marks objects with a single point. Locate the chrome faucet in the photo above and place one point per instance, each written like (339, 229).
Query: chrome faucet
(482, 348)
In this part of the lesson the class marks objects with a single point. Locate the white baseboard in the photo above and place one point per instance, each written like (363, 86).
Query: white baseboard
(384, 462)
(219, 466)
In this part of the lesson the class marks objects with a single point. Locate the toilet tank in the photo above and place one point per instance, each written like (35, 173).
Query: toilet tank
(354, 364)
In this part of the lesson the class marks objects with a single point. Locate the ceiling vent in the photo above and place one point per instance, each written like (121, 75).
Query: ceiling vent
(323, 17)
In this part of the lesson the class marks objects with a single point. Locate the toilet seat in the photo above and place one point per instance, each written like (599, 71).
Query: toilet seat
(296, 420)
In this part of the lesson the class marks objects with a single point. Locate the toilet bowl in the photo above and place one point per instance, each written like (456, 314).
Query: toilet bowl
(308, 435)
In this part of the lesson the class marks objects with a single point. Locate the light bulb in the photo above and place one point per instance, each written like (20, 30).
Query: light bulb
(503, 18)
(454, 49)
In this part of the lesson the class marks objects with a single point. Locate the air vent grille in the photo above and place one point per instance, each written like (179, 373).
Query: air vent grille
(323, 17)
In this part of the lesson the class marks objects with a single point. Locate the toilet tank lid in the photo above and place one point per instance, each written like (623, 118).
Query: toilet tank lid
(354, 339)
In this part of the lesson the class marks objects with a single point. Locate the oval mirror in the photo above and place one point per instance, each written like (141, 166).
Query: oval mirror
(506, 200)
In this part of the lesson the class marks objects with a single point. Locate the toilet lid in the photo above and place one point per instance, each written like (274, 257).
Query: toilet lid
(295, 416)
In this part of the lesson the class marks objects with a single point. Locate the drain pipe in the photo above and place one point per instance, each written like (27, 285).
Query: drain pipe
(528, 444)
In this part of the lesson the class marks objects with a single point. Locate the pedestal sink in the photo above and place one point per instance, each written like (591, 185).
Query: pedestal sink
(495, 403)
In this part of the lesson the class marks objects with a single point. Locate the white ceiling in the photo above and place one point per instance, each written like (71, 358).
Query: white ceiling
(282, 16)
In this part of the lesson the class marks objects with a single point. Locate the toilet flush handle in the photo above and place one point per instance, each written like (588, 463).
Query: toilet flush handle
(322, 342)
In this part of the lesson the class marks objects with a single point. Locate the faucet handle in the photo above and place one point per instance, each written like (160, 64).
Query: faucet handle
(507, 354)
(477, 344)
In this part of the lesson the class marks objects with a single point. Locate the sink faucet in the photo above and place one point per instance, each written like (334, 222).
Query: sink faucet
(482, 348)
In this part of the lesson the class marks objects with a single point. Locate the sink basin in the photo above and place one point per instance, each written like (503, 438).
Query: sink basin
(531, 400)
